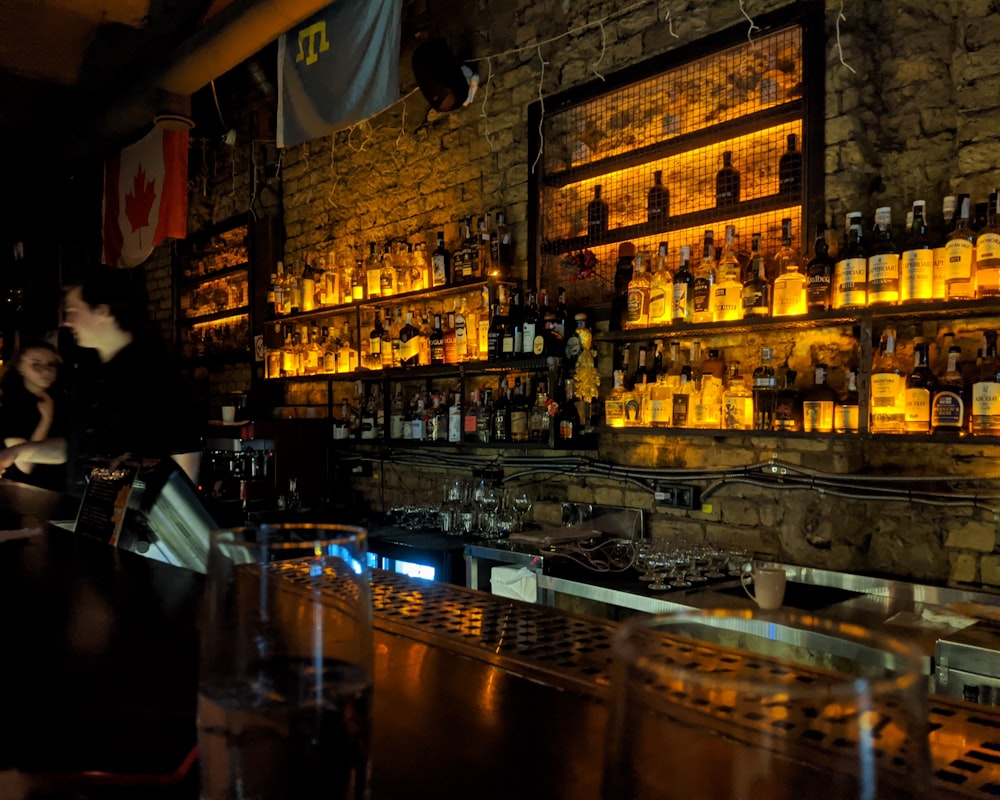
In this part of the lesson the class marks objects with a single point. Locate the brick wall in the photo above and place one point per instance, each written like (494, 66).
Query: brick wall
(919, 117)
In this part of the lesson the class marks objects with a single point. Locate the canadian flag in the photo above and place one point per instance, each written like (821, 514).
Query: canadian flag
(145, 196)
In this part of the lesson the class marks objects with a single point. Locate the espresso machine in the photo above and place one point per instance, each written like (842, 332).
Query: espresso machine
(237, 474)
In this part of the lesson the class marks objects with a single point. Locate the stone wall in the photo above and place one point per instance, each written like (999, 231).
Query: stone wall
(913, 112)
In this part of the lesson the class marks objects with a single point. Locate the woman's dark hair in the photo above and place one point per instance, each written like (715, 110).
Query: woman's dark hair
(119, 289)
(10, 373)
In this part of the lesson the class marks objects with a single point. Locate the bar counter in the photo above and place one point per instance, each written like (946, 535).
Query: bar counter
(475, 695)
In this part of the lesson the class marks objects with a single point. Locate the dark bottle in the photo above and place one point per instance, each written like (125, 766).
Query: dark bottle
(519, 409)
(530, 326)
(495, 335)
(513, 333)
(484, 420)
(501, 414)
(501, 248)
(883, 264)
(568, 418)
(440, 263)
(657, 200)
(375, 339)
(916, 264)
(847, 414)
(683, 301)
(574, 346)
(623, 276)
(819, 274)
(790, 169)
(818, 404)
(757, 290)
(641, 377)
(765, 392)
(950, 404)
(597, 215)
(918, 392)
(788, 405)
(437, 341)
(727, 182)
(409, 344)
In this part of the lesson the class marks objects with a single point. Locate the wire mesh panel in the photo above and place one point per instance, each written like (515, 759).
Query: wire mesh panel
(715, 141)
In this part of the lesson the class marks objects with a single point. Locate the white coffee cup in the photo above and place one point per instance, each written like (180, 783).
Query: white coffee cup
(229, 414)
(769, 585)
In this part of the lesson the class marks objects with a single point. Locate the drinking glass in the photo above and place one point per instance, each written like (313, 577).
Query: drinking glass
(522, 505)
(724, 704)
(285, 679)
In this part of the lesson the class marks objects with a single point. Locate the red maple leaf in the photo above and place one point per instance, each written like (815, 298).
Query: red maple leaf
(139, 202)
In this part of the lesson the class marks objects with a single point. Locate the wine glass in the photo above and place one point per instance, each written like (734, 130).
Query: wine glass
(522, 505)
(488, 501)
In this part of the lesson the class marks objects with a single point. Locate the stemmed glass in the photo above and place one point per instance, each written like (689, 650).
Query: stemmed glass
(488, 501)
(522, 505)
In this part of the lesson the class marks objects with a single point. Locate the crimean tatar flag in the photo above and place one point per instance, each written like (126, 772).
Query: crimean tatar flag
(145, 197)
(338, 67)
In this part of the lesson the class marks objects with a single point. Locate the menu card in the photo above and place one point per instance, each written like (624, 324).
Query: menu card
(105, 500)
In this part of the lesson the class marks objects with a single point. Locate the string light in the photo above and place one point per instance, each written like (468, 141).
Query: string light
(752, 27)
(600, 58)
(670, 24)
(840, 50)
(484, 114)
(541, 116)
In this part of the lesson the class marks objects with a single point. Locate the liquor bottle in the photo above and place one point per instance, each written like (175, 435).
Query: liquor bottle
(484, 247)
(657, 199)
(660, 402)
(728, 293)
(394, 330)
(818, 404)
(328, 363)
(661, 289)
(513, 341)
(440, 263)
(293, 290)
(960, 249)
(530, 326)
(503, 253)
(727, 182)
(819, 274)
(707, 411)
(347, 356)
(396, 414)
(408, 344)
(765, 392)
(681, 404)
(539, 422)
(887, 403)
(388, 282)
(847, 413)
(614, 403)
(375, 338)
(986, 391)
(484, 420)
(788, 405)
(920, 384)
(437, 342)
(939, 271)
(469, 417)
(916, 269)
(950, 404)
(624, 269)
(563, 317)
(518, 413)
(449, 351)
(850, 272)
(373, 273)
(359, 281)
(498, 324)
(756, 289)
(790, 169)
(308, 284)
(789, 288)
(573, 345)
(703, 285)
(683, 301)
(455, 418)
(988, 251)
(737, 401)
(883, 265)
(472, 266)
(462, 346)
(278, 290)
(597, 215)
(568, 419)
(637, 303)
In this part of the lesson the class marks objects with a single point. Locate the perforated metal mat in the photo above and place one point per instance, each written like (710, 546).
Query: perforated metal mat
(574, 652)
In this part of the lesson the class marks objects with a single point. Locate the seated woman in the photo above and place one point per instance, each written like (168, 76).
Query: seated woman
(31, 410)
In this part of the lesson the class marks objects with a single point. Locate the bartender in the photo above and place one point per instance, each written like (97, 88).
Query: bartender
(125, 399)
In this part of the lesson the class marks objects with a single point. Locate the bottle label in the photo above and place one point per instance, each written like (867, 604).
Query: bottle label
(851, 282)
(680, 309)
(986, 404)
(883, 278)
(375, 345)
(947, 410)
(438, 265)
(959, 253)
(789, 297)
(469, 424)
(507, 344)
(848, 418)
(679, 409)
(987, 247)
(396, 426)
(659, 305)
(633, 410)
(461, 338)
(887, 401)
(528, 337)
(817, 416)
(538, 345)
(728, 302)
(918, 408)
(437, 351)
(483, 327)
(702, 297)
(614, 412)
(939, 273)
(917, 280)
(659, 411)
(737, 412)
(408, 349)
(519, 425)
(637, 307)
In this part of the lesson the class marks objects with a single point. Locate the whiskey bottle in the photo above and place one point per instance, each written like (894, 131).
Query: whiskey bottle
(373, 273)
(681, 405)
(789, 289)
(765, 392)
(988, 251)
(660, 400)
(986, 391)
(756, 290)
(847, 414)
(920, 385)
(472, 266)
(950, 404)
(883, 265)
(960, 250)
(940, 270)
(484, 246)
(850, 272)
(498, 325)
(455, 419)
(704, 281)
(518, 413)
(818, 404)
(437, 342)
(375, 337)
(683, 301)
(624, 268)
(728, 293)
(887, 405)
(530, 325)
(504, 250)
(737, 401)
(440, 263)
(661, 289)
(788, 405)
(597, 215)
(470, 416)
(916, 279)
(790, 169)
(484, 421)
(359, 281)
(657, 199)
(637, 303)
(387, 278)
(819, 274)
(614, 403)
(408, 345)
(538, 419)
(568, 419)
(727, 182)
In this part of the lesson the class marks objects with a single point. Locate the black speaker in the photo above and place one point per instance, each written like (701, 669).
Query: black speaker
(439, 75)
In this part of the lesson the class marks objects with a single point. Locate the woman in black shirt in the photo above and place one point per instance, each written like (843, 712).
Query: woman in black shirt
(31, 410)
